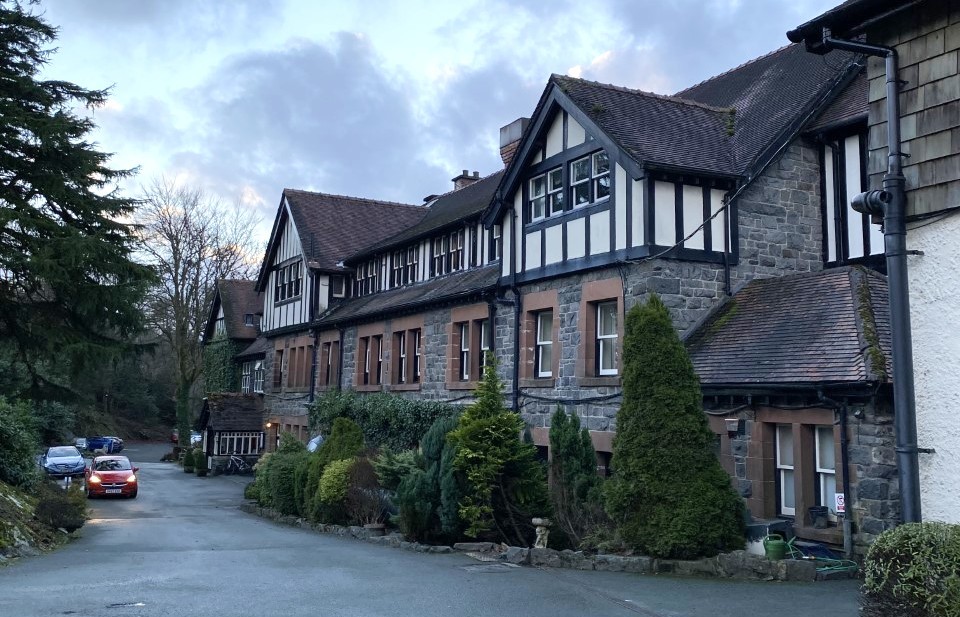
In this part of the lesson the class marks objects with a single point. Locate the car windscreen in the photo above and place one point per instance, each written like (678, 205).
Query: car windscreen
(62, 452)
(112, 464)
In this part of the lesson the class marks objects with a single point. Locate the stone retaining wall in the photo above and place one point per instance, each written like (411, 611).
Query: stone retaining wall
(736, 565)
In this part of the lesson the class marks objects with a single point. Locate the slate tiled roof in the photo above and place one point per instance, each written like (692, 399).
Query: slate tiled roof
(770, 95)
(456, 286)
(656, 129)
(830, 327)
(850, 105)
(453, 207)
(257, 348)
(333, 227)
(232, 412)
(846, 18)
(238, 299)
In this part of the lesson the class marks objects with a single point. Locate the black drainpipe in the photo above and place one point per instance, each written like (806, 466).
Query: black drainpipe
(517, 305)
(313, 366)
(841, 409)
(891, 203)
(340, 359)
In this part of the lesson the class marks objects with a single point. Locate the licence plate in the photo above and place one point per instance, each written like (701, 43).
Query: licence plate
(111, 491)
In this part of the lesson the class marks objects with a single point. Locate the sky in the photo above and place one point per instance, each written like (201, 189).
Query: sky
(383, 99)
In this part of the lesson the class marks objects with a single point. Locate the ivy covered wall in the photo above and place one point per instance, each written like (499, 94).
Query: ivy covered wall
(221, 372)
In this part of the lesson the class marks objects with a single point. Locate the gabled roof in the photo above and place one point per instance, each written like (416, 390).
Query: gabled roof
(238, 299)
(825, 328)
(232, 412)
(731, 125)
(333, 227)
(257, 348)
(773, 95)
(849, 107)
(452, 287)
(453, 208)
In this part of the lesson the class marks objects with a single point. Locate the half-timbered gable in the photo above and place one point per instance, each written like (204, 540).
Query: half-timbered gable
(232, 325)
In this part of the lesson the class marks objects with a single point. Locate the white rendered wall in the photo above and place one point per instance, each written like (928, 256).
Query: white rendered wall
(935, 314)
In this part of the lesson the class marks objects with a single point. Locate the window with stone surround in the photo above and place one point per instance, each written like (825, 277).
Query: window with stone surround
(539, 348)
(328, 364)
(826, 468)
(601, 332)
(470, 338)
(278, 369)
(258, 376)
(405, 355)
(786, 478)
(544, 357)
(464, 358)
(246, 375)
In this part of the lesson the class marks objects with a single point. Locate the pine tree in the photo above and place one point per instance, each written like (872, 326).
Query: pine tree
(669, 496)
(69, 289)
(574, 483)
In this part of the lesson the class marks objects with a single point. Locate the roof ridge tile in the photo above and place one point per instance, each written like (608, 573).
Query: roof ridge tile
(646, 93)
(379, 202)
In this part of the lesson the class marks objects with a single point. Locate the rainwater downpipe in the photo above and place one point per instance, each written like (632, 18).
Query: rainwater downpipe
(895, 245)
(841, 409)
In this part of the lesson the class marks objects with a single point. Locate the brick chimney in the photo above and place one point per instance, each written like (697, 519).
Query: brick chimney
(465, 179)
(510, 139)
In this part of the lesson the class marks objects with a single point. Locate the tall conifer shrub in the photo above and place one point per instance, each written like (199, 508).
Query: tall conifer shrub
(669, 496)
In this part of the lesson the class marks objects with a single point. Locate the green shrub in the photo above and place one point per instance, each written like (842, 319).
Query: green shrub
(505, 485)
(251, 491)
(332, 491)
(290, 444)
(913, 571)
(200, 462)
(669, 496)
(18, 443)
(386, 420)
(281, 480)
(345, 442)
(260, 471)
(61, 509)
(188, 460)
(429, 490)
(366, 501)
(392, 467)
(575, 487)
(300, 475)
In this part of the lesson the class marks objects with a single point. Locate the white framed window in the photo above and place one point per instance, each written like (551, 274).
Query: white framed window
(484, 326)
(606, 349)
(580, 181)
(366, 360)
(238, 443)
(248, 320)
(416, 357)
(402, 357)
(544, 359)
(219, 326)
(465, 351)
(398, 268)
(456, 251)
(378, 345)
(246, 374)
(785, 470)
(337, 287)
(826, 468)
(413, 260)
(440, 247)
(601, 175)
(496, 242)
(280, 289)
(555, 190)
(258, 376)
(538, 197)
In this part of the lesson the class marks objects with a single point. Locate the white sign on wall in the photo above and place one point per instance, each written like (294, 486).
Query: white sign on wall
(839, 505)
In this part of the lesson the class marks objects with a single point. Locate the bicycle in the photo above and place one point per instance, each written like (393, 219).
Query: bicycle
(237, 465)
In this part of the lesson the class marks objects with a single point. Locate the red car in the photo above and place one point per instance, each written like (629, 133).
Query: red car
(111, 475)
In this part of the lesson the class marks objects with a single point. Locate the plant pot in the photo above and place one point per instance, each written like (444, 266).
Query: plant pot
(376, 529)
(774, 547)
(188, 470)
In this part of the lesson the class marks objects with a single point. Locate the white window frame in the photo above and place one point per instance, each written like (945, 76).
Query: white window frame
(416, 356)
(402, 355)
(238, 442)
(484, 328)
(603, 340)
(464, 351)
(379, 373)
(577, 183)
(337, 286)
(258, 375)
(412, 261)
(555, 192)
(495, 245)
(538, 198)
(246, 370)
(366, 360)
(544, 345)
(219, 326)
(826, 498)
(398, 268)
(456, 251)
(596, 178)
(785, 470)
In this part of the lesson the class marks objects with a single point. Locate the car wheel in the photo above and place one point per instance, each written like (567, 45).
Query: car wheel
(133, 495)
(89, 494)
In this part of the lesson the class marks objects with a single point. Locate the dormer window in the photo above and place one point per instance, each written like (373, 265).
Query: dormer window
(456, 251)
(248, 320)
(287, 282)
(413, 261)
(219, 326)
(338, 288)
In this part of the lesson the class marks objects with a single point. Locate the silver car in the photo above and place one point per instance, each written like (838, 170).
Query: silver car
(62, 462)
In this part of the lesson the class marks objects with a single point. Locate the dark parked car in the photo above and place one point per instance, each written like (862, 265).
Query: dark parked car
(110, 445)
(63, 461)
(111, 475)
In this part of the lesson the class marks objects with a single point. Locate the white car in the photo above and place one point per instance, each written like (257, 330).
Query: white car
(80, 443)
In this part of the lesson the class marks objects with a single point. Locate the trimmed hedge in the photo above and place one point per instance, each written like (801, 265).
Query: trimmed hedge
(386, 420)
(913, 571)
(61, 509)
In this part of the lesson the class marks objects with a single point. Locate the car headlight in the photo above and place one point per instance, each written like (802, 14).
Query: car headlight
(131, 478)
(94, 479)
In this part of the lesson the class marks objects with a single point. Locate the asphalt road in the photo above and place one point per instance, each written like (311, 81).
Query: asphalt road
(184, 548)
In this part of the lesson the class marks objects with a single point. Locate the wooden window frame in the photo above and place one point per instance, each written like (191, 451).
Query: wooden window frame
(604, 340)
(246, 377)
(465, 321)
(542, 344)
(783, 469)
(592, 294)
(258, 376)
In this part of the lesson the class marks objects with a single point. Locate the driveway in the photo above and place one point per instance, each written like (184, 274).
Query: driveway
(184, 548)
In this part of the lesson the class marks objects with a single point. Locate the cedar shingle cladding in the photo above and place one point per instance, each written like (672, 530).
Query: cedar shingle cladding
(333, 227)
(232, 412)
(830, 327)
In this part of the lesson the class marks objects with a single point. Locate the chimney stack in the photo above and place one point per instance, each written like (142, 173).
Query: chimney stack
(510, 139)
(465, 179)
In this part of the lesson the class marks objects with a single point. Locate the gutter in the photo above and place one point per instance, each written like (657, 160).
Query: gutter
(841, 409)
